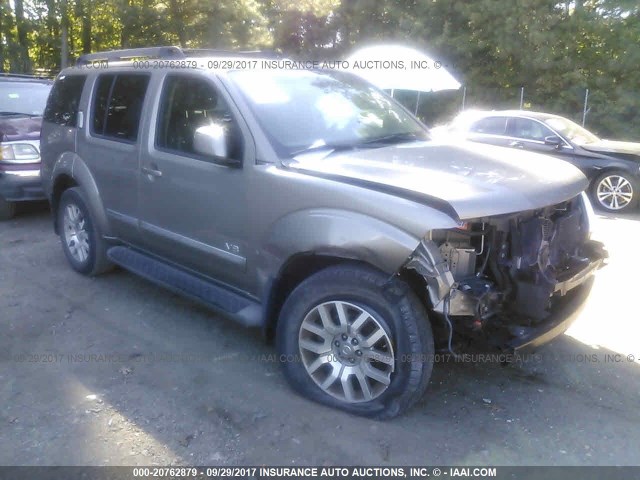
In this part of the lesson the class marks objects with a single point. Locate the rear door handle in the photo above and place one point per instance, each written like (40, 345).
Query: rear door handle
(152, 171)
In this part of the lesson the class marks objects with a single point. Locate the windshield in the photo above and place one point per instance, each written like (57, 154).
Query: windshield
(26, 98)
(303, 110)
(571, 131)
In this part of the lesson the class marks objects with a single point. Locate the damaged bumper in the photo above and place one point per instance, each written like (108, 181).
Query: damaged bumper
(557, 323)
(573, 292)
(577, 279)
(512, 282)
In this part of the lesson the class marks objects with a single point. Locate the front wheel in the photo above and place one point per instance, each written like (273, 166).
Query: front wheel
(351, 338)
(81, 238)
(614, 191)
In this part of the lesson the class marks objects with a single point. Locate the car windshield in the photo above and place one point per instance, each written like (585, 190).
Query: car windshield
(571, 131)
(303, 111)
(23, 98)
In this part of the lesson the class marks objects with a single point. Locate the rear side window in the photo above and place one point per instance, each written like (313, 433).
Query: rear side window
(490, 126)
(64, 99)
(117, 105)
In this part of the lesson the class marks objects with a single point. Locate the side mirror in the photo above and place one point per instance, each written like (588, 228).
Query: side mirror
(211, 141)
(553, 140)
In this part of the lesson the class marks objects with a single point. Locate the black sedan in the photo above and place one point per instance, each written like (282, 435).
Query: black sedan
(613, 168)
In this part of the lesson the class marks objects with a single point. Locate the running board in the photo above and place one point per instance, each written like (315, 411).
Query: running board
(245, 311)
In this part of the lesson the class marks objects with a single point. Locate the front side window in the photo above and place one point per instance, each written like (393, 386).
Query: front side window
(62, 106)
(117, 105)
(188, 103)
(529, 129)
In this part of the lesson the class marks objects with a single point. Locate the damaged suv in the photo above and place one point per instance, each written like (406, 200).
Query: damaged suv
(311, 205)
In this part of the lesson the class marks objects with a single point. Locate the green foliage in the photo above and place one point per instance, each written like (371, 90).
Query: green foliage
(553, 49)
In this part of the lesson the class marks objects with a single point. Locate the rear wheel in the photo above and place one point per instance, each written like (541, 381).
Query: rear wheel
(7, 209)
(81, 239)
(614, 191)
(351, 338)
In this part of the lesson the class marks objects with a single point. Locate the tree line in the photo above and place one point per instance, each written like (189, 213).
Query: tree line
(555, 50)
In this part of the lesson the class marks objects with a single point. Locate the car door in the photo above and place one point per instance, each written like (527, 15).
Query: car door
(193, 207)
(491, 130)
(533, 135)
(110, 146)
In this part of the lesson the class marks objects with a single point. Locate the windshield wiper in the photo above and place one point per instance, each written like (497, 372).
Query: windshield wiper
(376, 142)
(330, 147)
(401, 137)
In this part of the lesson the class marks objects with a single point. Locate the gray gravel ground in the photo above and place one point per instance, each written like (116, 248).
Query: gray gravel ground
(116, 371)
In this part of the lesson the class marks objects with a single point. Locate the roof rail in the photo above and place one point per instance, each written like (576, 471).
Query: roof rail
(204, 52)
(129, 53)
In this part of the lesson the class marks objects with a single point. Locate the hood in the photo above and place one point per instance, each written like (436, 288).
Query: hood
(20, 128)
(610, 146)
(475, 180)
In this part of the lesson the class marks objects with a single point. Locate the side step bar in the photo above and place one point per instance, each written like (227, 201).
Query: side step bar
(245, 311)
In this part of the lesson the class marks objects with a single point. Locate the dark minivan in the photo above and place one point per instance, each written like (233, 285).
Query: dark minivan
(22, 102)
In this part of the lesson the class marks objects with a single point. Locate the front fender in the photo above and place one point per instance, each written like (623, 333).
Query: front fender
(339, 233)
(71, 165)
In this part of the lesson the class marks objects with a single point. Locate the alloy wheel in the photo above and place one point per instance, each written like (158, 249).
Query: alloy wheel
(614, 192)
(75, 233)
(347, 351)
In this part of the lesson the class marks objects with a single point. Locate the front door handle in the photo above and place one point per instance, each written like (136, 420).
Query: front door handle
(152, 171)
(516, 144)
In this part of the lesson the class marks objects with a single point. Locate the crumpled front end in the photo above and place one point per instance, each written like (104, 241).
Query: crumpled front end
(514, 280)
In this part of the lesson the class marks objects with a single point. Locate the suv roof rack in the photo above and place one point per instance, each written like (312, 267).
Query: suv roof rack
(170, 52)
(129, 53)
(203, 52)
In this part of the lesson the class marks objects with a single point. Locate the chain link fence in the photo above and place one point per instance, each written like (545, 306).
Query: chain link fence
(613, 115)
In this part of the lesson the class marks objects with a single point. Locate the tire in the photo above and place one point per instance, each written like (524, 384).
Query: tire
(614, 191)
(394, 379)
(81, 239)
(7, 209)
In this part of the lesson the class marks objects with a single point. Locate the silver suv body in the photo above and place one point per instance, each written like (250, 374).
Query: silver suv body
(310, 204)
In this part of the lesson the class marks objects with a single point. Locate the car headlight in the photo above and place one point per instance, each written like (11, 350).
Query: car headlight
(18, 152)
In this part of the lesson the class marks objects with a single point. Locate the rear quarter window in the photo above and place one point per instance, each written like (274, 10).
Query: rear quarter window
(490, 126)
(64, 99)
(117, 105)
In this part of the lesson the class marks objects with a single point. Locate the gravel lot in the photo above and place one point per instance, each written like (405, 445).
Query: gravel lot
(116, 371)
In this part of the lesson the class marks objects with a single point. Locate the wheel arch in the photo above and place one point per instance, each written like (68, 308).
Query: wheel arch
(302, 266)
(62, 182)
(610, 169)
(307, 241)
(293, 272)
(73, 172)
